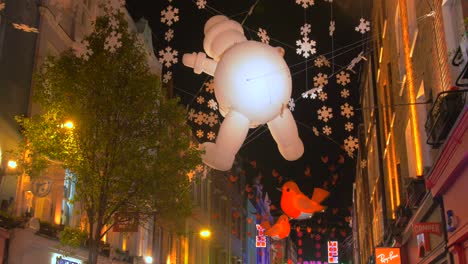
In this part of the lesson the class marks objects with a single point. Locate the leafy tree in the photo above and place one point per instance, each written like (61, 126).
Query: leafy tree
(130, 148)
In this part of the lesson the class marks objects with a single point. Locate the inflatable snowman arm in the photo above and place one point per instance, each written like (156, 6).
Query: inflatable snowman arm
(200, 63)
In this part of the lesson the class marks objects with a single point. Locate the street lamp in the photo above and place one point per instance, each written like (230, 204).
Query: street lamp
(205, 233)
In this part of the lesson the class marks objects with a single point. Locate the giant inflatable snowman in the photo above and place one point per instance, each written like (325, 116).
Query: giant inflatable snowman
(252, 86)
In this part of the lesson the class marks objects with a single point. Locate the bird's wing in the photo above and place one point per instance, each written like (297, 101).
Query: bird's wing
(304, 204)
(319, 195)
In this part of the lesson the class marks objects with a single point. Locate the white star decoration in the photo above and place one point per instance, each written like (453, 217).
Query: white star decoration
(291, 104)
(349, 126)
(327, 130)
(306, 47)
(168, 56)
(263, 35)
(343, 78)
(363, 27)
(170, 15)
(325, 113)
(347, 110)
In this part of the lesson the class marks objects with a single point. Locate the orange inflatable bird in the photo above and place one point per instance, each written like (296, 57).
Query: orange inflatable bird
(279, 230)
(298, 206)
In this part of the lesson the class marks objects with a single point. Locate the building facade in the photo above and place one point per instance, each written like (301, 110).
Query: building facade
(413, 97)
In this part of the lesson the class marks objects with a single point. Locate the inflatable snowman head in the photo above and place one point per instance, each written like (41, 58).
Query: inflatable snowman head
(251, 77)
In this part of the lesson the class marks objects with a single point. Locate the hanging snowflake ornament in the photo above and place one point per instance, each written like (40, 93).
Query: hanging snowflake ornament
(81, 50)
(320, 80)
(344, 93)
(211, 119)
(363, 27)
(200, 133)
(363, 164)
(201, 4)
(312, 93)
(351, 144)
(325, 114)
(355, 61)
(305, 30)
(211, 135)
(327, 130)
(191, 115)
(323, 96)
(167, 77)
(305, 3)
(306, 47)
(331, 28)
(112, 41)
(291, 104)
(168, 56)
(200, 99)
(347, 110)
(213, 104)
(169, 35)
(263, 35)
(209, 86)
(316, 132)
(343, 78)
(321, 61)
(349, 126)
(170, 15)
(200, 118)
(25, 28)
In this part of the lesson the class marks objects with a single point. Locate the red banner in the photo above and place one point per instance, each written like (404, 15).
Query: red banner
(125, 222)
(434, 228)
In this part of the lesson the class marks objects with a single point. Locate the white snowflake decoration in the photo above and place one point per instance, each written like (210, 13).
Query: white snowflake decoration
(211, 135)
(323, 96)
(305, 3)
(167, 77)
(168, 56)
(25, 28)
(169, 35)
(213, 104)
(321, 61)
(305, 30)
(112, 42)
(343, 78)
(331, 28)
(263, 35)
(325, 114)
(209, 86)
(200, 99)
(351, 144)
(201, 4)
(291, 104)
(349, 126)
(81, 50)
(191, 115)
(355, 61)
(363, 27)
(320, 80)
(200, 133)
(363, 164)
(312, 93)
(327, 130)
(114, 22)
(344, 93)
(347, 110)
(306, 47)
(170, 15)
(211, 119)
(316, 132)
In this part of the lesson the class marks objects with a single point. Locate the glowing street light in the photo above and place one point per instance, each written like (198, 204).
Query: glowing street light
(205, 233)
(12, 164)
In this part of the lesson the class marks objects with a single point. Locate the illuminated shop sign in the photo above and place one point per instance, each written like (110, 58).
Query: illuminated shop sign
(260, 240)
(332, 251)
(61, 259)
(387, 256)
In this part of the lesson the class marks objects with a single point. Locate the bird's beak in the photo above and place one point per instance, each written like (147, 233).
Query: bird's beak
(279, 189)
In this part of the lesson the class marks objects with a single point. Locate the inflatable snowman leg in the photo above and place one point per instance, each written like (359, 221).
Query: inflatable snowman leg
(231, 136)
(284, 130)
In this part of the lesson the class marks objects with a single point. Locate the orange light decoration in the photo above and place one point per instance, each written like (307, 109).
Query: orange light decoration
(410, 80)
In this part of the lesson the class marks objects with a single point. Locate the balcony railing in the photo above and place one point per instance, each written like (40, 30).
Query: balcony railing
(443, 115)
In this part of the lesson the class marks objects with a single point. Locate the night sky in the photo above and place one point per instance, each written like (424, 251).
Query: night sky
(330, 165)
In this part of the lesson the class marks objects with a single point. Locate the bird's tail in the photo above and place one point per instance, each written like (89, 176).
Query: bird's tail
(319, 195)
